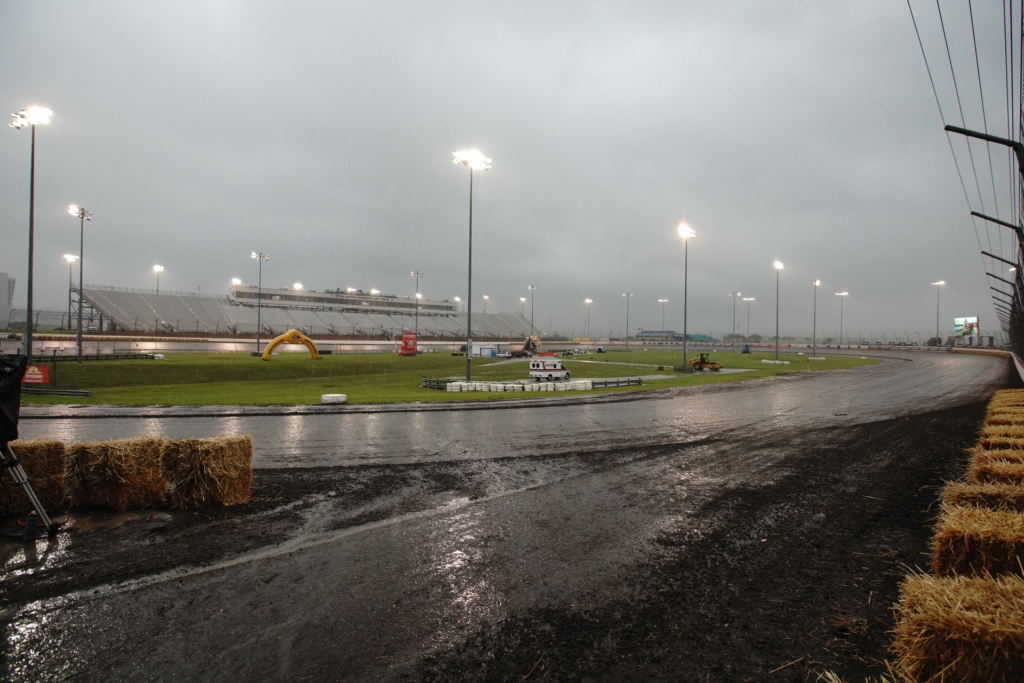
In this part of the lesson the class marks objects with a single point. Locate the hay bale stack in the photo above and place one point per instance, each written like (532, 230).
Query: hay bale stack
(1002, 436)
(1004, 416)
(961, 629)
(992, 495)
(117, 474)
(1008, 397)
(44, 463)
(204, 471)
(973, 540)
(983, 471)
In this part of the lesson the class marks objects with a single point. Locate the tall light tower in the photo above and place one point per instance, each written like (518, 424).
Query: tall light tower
(82, 215)
(30, 117)
(457, 300)
(476, 162)
(938, 286)
(628, 296)
(522, 305)
(417, 274)
(588, 302)
(533, 293)
(687, 233)
(841, 295)
(260, 257)
(734, 296)
(485, 302)
(158, 270)
(748, 300)
(70, 258)
(662, 302)
(778, 267)
(814, 329)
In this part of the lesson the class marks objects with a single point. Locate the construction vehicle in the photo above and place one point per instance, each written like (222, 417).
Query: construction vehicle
(704, 362)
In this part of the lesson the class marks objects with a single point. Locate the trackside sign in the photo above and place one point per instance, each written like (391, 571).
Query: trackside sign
(36, 374)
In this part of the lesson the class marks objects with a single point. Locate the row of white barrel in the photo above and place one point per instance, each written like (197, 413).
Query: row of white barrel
(776, 362)
(572, 385)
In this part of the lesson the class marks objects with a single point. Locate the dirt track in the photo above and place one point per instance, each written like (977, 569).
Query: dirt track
(721, 535)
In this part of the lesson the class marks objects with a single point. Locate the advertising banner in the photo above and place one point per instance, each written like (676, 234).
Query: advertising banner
(965, 327)
(408, 344)
(36, 374)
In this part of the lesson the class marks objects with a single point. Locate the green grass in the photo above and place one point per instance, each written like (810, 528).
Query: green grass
(292, 378)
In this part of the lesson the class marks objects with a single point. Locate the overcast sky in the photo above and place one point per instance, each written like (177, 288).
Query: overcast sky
(322, 133)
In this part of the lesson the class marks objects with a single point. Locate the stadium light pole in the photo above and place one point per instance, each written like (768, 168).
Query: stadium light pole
(841, 295)
(457, 300)
(734, 295)
(628, 296)
(485, 302)
(32, 116)
(662, 302)
(476, 162)
(533, 291)
(417, 274)
(938, 287)
(814, 325)
(687, 233)
(261, 257)
(748, 300)
(522, 304)
(158, 269)
(778, 267)
(70, 258)
(588, 302)
(82, 215)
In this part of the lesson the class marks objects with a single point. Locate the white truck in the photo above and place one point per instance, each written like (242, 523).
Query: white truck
(547, 368)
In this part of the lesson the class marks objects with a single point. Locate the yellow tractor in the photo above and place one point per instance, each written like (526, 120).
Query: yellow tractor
(703, 362)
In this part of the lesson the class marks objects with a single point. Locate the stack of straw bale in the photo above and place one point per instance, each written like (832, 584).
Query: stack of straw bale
(204, 471)
(118, 474)
(961, 629)
(966, 623)
(44, 463)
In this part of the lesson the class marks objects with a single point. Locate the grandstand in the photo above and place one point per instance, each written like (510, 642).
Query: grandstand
(144, 310)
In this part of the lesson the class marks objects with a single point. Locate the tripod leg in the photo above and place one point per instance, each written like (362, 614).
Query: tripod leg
(10, 462)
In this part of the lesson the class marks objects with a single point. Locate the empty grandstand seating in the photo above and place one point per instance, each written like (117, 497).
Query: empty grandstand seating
(143, 310)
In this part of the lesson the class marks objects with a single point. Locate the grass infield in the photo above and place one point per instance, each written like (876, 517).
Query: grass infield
(293, 378)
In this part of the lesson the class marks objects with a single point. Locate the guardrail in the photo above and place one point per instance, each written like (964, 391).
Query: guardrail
(441, 384)
(601, 383)
(54, 392)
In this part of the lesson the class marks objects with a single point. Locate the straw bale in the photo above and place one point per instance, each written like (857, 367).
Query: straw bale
(993, 495)
(1001, 441)
(43, 462)
(975, 540)
(961, 629)
(1005, 416)
(204, 471)
(980, 454)
(984, 470)
(118, 474)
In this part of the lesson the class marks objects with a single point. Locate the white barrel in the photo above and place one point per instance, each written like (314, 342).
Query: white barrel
(333, 398)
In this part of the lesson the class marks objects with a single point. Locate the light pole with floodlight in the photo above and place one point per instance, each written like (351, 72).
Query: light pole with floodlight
(485, 302)
(70, 258)
(533, 291)
(662, 302)
(522, 305)
(158, 269)
(628, 296)
(778, 266)
(476, 161)
(814, 326)
(938, 286)
(687, 233)
(734, 296)
(30, 117)
(417, 274)
(748, 300)
(588, 302)
(261, 257)
(82, 215)
(457, 300)
(841, 295)
(236, 281)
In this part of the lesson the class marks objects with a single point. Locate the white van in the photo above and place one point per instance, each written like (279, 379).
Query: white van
(547, 368)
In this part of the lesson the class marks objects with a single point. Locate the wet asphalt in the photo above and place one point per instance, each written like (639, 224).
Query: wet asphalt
(552, 507)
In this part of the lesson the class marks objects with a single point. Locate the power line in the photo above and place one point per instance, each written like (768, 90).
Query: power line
(984, 120)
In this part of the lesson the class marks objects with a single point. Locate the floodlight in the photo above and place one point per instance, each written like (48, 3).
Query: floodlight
(158, 269)
(30, 117)
(686, 232)
(374, 291)
(473, 158)
(817, 283)
(297, 285)
(70, 258)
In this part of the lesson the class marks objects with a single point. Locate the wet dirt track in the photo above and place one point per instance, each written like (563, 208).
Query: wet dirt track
(700, 534)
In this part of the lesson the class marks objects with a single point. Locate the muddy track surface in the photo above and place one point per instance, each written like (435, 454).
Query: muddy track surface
(723, 542)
